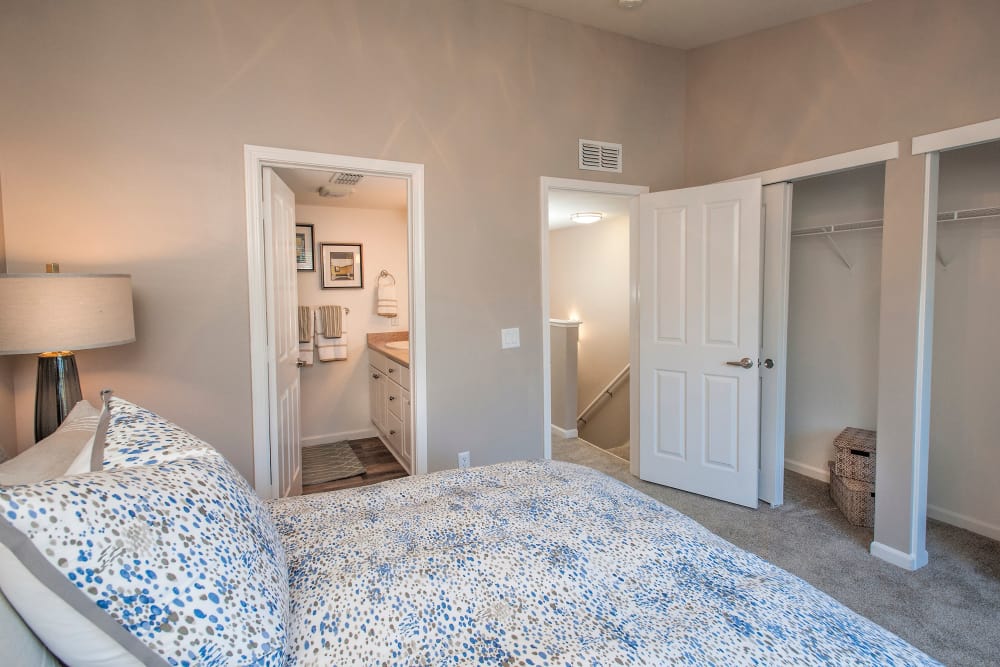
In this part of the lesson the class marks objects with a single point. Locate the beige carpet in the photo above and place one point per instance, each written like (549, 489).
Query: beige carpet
(950, 609)
(325, 463)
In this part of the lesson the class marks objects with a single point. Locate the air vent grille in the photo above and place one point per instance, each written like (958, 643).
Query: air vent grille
(600, 156)
(345, 178)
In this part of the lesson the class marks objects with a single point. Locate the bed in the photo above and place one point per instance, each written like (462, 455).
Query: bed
(522, 563)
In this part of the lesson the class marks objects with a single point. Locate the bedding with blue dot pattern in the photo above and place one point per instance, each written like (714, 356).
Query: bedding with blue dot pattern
(137, 436)
(545, 563)
(177, 562)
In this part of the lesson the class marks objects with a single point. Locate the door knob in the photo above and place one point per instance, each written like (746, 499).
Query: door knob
(745, 362)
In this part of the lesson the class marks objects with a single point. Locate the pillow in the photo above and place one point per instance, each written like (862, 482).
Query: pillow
(66, 451)
(136, 436)
(172, 563)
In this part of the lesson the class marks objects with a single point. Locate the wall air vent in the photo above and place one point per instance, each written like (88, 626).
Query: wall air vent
(600, 156)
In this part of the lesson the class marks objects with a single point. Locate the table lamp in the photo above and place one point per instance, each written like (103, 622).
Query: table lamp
(52, 313)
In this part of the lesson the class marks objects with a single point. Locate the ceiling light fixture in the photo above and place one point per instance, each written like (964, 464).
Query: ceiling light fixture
(629, 4)
(586, 217)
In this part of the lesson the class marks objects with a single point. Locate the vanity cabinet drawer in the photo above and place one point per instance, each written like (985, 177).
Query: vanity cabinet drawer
(398, 373)
(394, 434)
(394, 400)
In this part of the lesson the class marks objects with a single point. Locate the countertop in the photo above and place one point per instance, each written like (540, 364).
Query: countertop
(377, 341)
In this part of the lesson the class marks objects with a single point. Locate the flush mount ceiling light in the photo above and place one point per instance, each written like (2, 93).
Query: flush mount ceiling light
(586, 217)
(629, 4)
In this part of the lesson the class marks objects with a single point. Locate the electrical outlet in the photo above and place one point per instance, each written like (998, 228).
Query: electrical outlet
(464, 460)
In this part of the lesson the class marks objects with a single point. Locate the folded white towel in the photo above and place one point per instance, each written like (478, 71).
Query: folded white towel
(306, 355)
(332, 349)
(388, 305)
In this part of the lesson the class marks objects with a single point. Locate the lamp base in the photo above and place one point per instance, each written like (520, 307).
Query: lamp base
(57, 390)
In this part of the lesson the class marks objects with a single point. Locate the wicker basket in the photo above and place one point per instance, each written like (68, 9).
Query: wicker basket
(854, 499)
(854, 454)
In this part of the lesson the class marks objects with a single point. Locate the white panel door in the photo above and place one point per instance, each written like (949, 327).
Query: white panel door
(282, 335)
(699, 319)
(777, 211)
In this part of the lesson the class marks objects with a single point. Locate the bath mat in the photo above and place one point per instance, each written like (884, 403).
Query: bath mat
(326, 463)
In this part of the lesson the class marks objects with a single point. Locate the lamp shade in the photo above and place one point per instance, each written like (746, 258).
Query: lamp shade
(48, 312)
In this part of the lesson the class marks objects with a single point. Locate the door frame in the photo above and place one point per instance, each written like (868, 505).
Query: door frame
(547, 184)
(255, 158)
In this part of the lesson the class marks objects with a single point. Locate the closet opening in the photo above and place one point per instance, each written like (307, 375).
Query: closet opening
(964, 442)
(834, 288)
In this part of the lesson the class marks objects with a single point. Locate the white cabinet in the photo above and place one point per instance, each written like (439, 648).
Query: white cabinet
(388, 383)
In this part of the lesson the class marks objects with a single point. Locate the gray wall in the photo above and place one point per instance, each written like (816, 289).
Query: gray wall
(8, 431)
(122, 127)
(877, 72)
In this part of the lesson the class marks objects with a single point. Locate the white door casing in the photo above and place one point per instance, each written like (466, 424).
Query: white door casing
(282, 329)
(777, 216)
(699, 310)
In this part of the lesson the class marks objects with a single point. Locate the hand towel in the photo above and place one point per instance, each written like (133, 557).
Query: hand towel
(387, 303)
(305, 324)
(330, 321)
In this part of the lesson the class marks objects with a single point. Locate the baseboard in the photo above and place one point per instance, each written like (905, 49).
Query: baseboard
(822, 474)
(977, 526)
(564, 433)
(897, 557)
(338, 437)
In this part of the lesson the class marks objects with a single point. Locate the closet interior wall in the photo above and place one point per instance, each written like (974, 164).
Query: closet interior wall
(965, 410)
(833, 316)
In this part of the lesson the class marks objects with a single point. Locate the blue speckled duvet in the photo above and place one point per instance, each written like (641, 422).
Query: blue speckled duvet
(545, 563)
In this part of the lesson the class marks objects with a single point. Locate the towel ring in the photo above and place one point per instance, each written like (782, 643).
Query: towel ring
(386, 274)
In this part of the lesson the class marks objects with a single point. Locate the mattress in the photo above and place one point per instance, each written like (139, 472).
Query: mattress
(545, 563)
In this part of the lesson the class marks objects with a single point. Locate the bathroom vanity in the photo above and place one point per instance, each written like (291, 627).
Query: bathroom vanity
(389, 393)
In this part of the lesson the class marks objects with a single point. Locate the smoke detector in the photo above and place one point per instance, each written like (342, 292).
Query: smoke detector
(339, 185)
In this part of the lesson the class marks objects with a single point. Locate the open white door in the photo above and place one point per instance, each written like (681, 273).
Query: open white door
(282, 335)
(774, 346)
(699, 339)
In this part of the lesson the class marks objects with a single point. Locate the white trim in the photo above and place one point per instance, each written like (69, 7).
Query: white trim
(326, 438)
(958, 137)
(547, 183)
(822, 474)
(257, 157)
(567, 324)
(831, 164)
(897, 557)
(990, 530)
(564, 433)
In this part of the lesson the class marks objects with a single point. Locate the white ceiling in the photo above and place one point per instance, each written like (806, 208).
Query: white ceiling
(685, 24)
(370, 192)
(564, 203)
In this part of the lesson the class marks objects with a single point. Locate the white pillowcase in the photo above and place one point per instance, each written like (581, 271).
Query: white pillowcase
(68, 451)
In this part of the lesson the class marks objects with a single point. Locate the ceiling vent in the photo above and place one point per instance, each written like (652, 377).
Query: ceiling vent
(600, 156)
(341, 184)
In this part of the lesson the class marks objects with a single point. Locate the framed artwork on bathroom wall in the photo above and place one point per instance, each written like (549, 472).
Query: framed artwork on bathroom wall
(305, 260)
(340, 265)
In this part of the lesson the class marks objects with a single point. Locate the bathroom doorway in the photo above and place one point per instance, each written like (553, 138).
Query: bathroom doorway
(360, 280)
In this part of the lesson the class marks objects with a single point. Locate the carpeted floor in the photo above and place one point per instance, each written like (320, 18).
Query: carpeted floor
(950, 609)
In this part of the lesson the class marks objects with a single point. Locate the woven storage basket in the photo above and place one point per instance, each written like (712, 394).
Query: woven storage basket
(854, 499)
(854, 454)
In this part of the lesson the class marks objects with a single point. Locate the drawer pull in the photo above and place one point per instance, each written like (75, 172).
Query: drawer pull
(392, 398)
(391, 370)
(375, 376)
(392, 432)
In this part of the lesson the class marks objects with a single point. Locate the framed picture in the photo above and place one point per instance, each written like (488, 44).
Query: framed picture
(304, 258)
(340, 265)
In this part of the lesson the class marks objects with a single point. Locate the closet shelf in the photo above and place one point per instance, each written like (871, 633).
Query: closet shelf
(823, 230)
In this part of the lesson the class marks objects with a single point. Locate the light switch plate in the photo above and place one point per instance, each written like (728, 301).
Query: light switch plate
(510, 338)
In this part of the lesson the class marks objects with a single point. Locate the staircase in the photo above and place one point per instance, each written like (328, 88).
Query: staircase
(605, 420)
